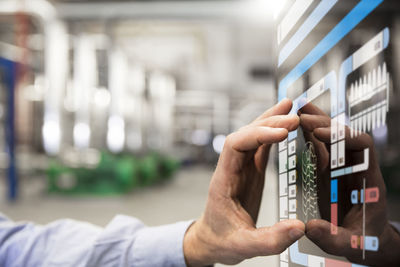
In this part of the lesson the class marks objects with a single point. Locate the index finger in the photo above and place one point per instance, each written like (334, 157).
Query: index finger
(310, 122)
(282, 108)
(310, 108)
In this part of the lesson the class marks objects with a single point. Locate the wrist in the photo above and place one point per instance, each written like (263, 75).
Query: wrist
(195, 249)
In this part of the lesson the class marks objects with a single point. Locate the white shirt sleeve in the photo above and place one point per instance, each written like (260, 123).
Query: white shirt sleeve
(125, 241)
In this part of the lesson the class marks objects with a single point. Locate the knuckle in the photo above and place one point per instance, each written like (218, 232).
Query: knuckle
(229, 141)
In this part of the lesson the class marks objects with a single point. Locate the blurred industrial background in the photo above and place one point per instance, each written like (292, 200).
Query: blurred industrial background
(123, 106)
(111, 107)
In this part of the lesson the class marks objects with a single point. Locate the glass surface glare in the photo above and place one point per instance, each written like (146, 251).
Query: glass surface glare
(337, 62)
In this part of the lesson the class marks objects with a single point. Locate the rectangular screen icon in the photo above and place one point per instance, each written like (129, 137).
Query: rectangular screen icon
(283, 186)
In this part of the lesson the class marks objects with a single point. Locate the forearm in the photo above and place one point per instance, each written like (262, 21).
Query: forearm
(124, 242)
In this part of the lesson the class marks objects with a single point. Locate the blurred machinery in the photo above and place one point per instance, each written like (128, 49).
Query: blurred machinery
(100, 84)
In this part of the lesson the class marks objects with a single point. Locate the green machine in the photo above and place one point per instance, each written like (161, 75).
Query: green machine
(114, 174)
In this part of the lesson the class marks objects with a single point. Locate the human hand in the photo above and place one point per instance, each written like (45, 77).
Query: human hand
(226, 232)
(316, 126)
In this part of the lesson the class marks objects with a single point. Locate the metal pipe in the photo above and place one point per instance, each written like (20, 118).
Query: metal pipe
(56, 61)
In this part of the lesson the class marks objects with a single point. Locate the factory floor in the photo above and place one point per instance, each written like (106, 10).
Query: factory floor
(182, 198)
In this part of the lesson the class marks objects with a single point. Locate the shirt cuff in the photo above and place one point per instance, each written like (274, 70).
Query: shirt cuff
(160, 246)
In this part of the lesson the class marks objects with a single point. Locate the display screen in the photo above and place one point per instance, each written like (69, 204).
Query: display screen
(337, 62)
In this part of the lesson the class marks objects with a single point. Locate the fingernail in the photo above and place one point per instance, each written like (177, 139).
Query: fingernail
(315, 233)
(295, 233)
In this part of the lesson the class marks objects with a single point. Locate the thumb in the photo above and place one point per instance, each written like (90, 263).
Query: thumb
(272, 240)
